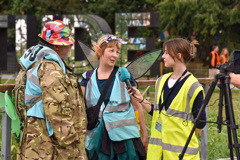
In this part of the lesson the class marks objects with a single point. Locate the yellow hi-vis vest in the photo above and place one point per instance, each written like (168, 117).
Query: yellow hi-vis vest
(177, 123)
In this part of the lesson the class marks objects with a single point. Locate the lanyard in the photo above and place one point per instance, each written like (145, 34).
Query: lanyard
(164, 101)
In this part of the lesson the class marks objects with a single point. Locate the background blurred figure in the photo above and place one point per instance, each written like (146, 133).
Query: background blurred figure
(214, 60)
(224, 56)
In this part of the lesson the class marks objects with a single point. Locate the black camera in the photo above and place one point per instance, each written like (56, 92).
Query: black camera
(233, 65)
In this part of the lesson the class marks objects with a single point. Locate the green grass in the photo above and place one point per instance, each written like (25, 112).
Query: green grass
(142, 88)
(11, 81)
(218, 142)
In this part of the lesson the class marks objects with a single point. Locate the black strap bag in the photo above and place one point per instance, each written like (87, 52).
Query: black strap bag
(93, 111)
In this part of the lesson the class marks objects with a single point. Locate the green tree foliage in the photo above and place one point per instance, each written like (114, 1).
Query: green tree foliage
(211, 20)
(40, 7)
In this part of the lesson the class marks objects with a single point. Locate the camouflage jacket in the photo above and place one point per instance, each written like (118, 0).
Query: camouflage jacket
(65, 111)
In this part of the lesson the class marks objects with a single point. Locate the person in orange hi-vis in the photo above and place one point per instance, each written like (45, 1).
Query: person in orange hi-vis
(214, 60)
(224, 56)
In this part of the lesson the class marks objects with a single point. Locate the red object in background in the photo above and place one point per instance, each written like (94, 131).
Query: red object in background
(140, 54)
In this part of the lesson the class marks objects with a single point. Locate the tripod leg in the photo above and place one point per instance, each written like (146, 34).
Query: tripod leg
(220, 118)
(197, 120)
(228, 127)
(231, 121)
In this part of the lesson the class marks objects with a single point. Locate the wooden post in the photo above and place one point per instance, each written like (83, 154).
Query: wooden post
(204, 134)
(161, 68)
(6, 127)
(6, 136)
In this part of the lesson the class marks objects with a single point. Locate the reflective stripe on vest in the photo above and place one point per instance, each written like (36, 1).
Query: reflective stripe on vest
(184, 115)
(119, 116)
(156, 107)
(29, 97)
(174, 132)
(173, 148)
(120, 107)
(31, 77)
(121, 123)
(47, 51)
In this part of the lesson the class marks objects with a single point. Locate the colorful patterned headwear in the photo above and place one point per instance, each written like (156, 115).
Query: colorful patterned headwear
(57, 33)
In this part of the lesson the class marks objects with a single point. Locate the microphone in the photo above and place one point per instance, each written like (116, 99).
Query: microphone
(124, 76)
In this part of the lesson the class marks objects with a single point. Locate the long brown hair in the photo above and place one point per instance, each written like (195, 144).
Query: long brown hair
(222, 53)
(183, 46)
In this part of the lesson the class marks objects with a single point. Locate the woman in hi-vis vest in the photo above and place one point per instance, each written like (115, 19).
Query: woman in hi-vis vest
(224, 56)
(178, 98)
(116, 135)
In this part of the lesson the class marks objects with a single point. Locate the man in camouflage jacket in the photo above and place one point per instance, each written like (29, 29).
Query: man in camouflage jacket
(55, 126)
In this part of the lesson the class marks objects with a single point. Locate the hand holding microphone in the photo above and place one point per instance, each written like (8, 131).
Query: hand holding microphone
(124, 76)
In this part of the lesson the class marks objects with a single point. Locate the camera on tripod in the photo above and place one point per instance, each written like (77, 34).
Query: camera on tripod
(233, 65)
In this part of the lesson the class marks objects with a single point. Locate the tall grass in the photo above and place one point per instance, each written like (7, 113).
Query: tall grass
(218, 142)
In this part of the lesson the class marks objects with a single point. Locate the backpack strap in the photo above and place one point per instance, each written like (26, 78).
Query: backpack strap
(31, 105)
(34, 102)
